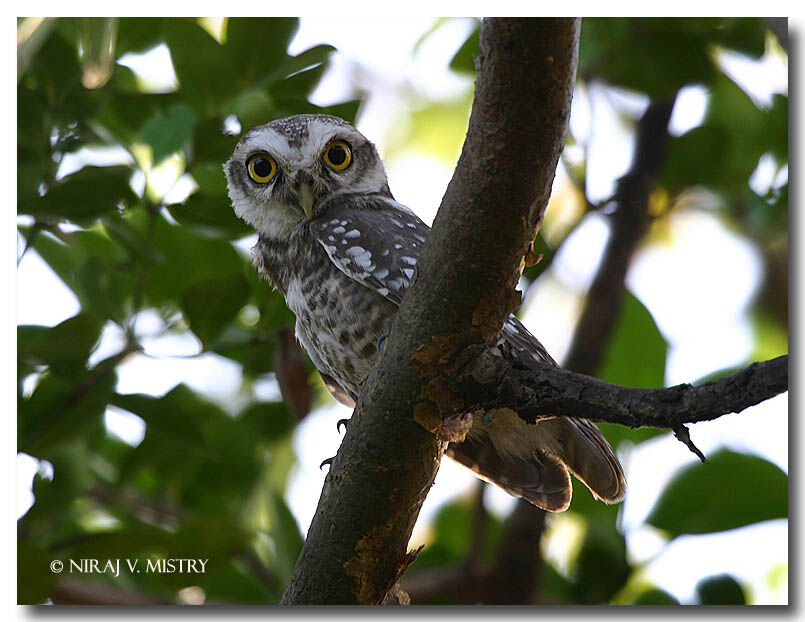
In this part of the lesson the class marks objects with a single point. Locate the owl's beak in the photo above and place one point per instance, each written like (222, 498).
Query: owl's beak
(306, 197)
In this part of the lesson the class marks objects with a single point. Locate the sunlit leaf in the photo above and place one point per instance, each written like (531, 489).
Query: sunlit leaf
(170, 132)
(86, 194)
(201, 67)
(210, 305)
(65, 347)
(728, 491)
(636, 353)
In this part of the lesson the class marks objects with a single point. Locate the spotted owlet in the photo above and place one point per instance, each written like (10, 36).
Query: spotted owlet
(343, 252)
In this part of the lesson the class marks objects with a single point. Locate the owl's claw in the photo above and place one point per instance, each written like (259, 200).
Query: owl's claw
(381, 340)
(328, 462)
(341, 422)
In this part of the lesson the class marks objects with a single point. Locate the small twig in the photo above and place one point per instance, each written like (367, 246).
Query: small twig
(682, 434)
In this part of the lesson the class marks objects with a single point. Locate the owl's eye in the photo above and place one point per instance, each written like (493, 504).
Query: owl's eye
(338, 155)
(262, 168)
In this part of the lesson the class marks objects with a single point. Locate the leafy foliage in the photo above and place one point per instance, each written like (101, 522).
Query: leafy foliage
(208, 480)
(196, 486)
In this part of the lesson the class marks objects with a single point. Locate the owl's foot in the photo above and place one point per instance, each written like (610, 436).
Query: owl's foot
(328, 462)
(341, 422)
(381, 341)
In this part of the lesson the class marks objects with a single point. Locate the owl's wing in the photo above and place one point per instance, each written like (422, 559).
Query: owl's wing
(377, 245)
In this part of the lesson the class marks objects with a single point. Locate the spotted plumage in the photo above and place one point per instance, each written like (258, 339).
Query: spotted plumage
(343, 252)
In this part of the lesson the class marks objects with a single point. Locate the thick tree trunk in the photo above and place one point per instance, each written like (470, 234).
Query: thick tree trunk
(356, 547)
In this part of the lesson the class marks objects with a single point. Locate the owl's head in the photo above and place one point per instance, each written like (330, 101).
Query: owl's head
(286, 171)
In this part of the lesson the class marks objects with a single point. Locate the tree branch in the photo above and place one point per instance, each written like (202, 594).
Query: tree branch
(356, 545)
(629, 223)
(491, 382)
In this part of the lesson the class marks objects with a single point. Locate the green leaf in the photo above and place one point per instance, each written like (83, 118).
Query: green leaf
(636, 354)
(270, 421)
(233, 584)
(170, 132)
(617, 434)
(187, 260)
(59, 411)
(258, 45)
(720, 589)
(286, 535)
(178, 415)
(464, 59)
(601, 567)
(65, 347)
(655, 596)
(209, 216)
(138, 34)
(84, 195)
(35, 579)
(655, 56)
(777, 127)
(694, 158)
(312, 57)
(210, 145)
(252, 349)
(202, 67)
(728, 491)
(210, 305)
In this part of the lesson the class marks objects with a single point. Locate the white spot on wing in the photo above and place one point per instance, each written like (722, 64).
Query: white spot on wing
(382, 273)
(339, 230)
(352, 234)
(362, 257)
(411, 261)
(355, 250)
(408, 272)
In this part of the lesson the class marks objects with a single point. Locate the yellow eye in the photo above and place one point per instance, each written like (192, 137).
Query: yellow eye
(262, 168)
(338, 155)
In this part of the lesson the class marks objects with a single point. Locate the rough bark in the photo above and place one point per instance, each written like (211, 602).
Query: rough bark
(356, 547)
(491, 382)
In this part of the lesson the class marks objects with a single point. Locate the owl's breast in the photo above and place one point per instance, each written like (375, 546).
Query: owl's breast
(338, 320)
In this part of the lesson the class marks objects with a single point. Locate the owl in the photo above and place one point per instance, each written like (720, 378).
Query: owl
(340, 249)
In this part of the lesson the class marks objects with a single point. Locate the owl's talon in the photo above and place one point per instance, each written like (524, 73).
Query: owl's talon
(328, 462)
(380, 341)
(341, 422)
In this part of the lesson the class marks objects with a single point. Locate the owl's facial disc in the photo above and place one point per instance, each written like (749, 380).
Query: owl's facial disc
(287, 171)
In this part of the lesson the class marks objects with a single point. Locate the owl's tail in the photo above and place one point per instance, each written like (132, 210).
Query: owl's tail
(540, 474)
(589, 457)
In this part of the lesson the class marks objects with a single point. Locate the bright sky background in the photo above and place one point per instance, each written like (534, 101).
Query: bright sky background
(697, 289)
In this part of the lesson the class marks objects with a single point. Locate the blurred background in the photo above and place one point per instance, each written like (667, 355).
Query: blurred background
(165, 410)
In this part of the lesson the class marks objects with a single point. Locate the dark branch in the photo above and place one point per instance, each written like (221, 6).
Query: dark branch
(356, 547)
(547, 390)
(629, 224)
